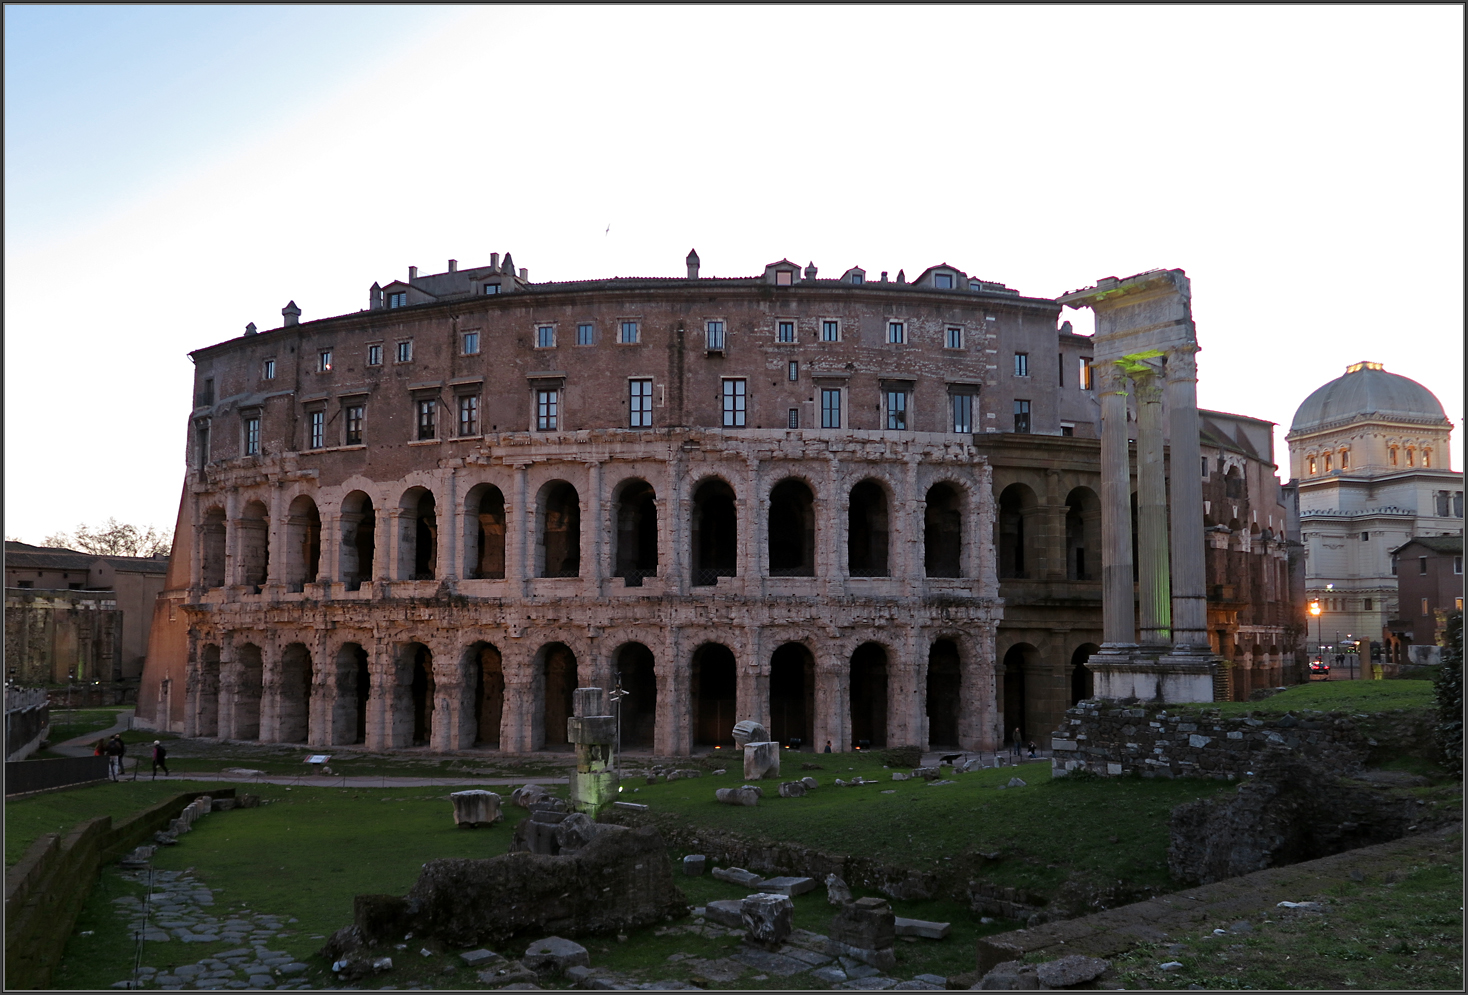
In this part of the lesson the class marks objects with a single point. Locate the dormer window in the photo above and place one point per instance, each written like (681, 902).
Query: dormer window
(398, 299)
(943, 281)
(784, 277)
(491, 288)
(858, 278)
(975, 285)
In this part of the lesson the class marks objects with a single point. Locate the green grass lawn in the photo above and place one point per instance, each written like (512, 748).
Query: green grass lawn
(69, 724)
(1337, 696)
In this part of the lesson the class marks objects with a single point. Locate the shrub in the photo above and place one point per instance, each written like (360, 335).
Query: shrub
(1449, 694)
(902, 756)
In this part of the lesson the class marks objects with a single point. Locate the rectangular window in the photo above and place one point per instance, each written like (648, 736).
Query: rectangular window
(1366, 604)
(201, 441)
(1067, 430)
(784, 331)
(953, 337)
(427, 419)
(252, 435)
(1086, 373)
(714, 331)
(1311, 462)
(943, 281)
(784, 277)
(1345, 459)
(469, 414)
(1062, 369)
(1022, 416)
(1326, 457)
(1394, 566)
(830, 331)
(639, 403)
(1457, 564)
(1422, 566)
(1442, 504)
(323, 361)
(734, 400)
(316, 426)
(1365, 536)
(963, 413)
(1391, 456)
(1410, 455)
(792, 370)
(896, 410)
(585, 334)
(471, 343)
(405, 352)
(830, 407)
(1457, 604)
(269, 373)
(629, 332)
(374, 355)
(1021, 364)
(1424, 606)
(354, 416)
(1205, 467)
(491, 288)
(547, 410)
(545, 337)
(896, 332)
(794, 418)
(399, 299)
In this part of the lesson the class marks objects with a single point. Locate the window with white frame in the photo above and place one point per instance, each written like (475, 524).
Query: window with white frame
(269, 372)
(374, 355)
(491, 288)
(792, 370)
(734, 402)
(398, 299)
(323, 361)
(471, 343)
(354, 416)
(405, 351)
(629, 333)
(316, 429)
(830, 407)
(830, 330)
(714, 333)
(1021, 416)
(468, 414)
(1021, 364)
(953, 337)
(943, 281)
(585, 334)
(785, 331)
(639, 403)
(547, 409)
(252, 435)
(896, 332)
(963, 413)
(545, 336)
(427, 419)
(1086, 373)
(896, 404)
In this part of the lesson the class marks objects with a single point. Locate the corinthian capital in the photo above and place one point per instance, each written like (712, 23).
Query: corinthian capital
(1182, 363)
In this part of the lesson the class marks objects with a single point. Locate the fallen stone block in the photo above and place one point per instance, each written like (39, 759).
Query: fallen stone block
(864, 930)
(508, 975)
(897, 775)
(222, 804)
(767, 919)
(737, 796)
(481, 958)
(761, 760)
(788, 886)
(554, 954)
(737, 875)
(810, 783)
(792, 789)
(247, 801)
(927, 773)
(920, 927)
(749, 731)
(527, 794)
(1073, 970)
(634, 806)
(970, 766)
(693, 864)
(1010, 976)
(1015, 782)
(476, 808)
(837, 892)
(881, 958)
(725, 912)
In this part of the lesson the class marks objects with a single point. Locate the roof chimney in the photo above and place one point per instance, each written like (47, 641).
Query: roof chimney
(412, 273)
(692, 262)
(494, 261)
(884, 276)
(524, 273)
(902, 276)
(453, 266)
(810, 271)
(374, 296)
(509, 266)
(291, 314)
(250, 329)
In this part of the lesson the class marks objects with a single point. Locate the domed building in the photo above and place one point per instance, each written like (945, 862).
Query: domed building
(1369, 453)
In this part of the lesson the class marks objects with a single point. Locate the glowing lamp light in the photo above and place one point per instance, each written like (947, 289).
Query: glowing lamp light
(1315, 608)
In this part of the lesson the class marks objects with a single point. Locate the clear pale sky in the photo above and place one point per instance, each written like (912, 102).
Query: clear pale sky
(173, 173)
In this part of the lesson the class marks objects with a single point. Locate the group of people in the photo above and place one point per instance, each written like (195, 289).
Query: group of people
(115, 750)
(1017, 744)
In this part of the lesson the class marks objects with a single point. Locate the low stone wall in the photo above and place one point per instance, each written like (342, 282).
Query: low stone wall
(27, 721)
(1155, 741)
(45, 889)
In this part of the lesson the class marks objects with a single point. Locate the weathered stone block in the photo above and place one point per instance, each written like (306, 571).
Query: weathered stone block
(743, 795)
(476, 808)
(591, 729)
(761, 760)
(1072, 970)
(693, 864)
(788, 886)
(554, 954)
(725, 912)
(837, 892)
(792, 789)
(736, 875)
(767, 919)
(920, 927)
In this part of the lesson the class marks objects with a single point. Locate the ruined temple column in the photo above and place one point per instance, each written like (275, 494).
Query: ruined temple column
(1118, 620)
(1154, 594)
(328, 561)
(1189, 595)
(672, 732)
(270, 692)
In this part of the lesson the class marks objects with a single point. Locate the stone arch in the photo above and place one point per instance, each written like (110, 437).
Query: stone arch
(1018, 527)
(635, 669)
(1082, 534)
(636, 508)
(557, 677)
(214, 545)
(715, 532)
(944, 694)
(1021, 667)
(353, 690)
(793, 695)
(558, 533)
(868, 525)
(358, 548)
(792, 529)
(714, 689)
(302, 543)
(418, 535)
(254, 544)
(484, 669)
(206, 708)
(246, 686)
(943, 531)
(484, 533)
(1082, 680)
(869, 696)
(293, 695)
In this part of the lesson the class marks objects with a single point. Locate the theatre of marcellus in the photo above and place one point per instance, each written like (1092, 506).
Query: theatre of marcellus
(863, 511)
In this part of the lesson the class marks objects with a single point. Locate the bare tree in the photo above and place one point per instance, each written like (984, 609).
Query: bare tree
(113, 538)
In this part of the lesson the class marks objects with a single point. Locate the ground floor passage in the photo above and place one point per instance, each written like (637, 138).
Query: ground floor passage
(869, 691)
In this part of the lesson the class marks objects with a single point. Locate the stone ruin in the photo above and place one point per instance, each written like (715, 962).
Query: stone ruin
(476, 808)
(594, 784)
(761, 756)
(865, 930)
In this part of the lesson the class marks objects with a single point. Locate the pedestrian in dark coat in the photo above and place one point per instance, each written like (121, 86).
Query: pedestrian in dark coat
(160, 759)
(116, 750)
(1016, 742)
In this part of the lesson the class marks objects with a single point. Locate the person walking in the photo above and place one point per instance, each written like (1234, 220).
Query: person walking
(116, 750)
(160, 759)
(1015, 741)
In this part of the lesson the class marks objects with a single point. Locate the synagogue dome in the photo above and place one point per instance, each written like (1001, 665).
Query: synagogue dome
(1367, 391)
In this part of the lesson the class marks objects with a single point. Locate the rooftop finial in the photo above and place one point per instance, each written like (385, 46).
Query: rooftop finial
(291, 314)
(692, 262)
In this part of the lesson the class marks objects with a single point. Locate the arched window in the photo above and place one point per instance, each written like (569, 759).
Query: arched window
(485, 532)
(943, 532)
(792, 530)
(302, 544)
(866, 539)
(637, 532)
(358, 540)
(715, 533)
(559, 518)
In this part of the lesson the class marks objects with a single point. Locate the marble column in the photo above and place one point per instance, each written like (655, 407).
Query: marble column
(1118, 618)
(1154, 585)
(1189, 596)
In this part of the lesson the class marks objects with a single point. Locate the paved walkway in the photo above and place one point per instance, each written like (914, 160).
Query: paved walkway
(81, 746)
(365, 781)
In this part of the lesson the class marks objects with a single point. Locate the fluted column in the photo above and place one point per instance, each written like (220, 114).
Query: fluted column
(1118, 619)
(1153, 580)
(1189, 597)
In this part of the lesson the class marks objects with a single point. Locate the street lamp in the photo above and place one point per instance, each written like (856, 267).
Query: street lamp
(617, 694)
(1315, 610)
